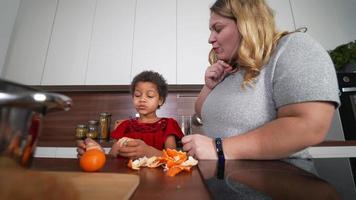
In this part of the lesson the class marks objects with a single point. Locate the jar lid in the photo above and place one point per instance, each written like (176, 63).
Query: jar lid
(105, 114)
(81, 126)
(93, 122)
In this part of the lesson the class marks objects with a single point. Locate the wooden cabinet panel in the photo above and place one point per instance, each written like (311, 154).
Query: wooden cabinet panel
(59, 127)
(111, 45)
(68, 50)
(29, 41)
(154, 45)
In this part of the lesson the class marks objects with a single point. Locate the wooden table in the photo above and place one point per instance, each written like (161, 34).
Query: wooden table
(272, 179)
(154, 184)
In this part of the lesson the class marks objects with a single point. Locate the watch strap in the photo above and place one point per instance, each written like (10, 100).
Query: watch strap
(219, 149)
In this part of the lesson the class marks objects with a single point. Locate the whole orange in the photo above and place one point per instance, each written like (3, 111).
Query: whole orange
(92, 160)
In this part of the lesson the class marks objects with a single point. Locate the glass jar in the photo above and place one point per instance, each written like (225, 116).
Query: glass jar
(81, 131)
(104, 125)
(92, 129)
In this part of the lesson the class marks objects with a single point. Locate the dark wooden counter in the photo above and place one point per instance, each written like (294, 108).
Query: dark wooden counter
(154, 184)
(287, 179)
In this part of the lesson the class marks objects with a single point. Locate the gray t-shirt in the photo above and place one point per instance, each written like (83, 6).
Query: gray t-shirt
(299, 70)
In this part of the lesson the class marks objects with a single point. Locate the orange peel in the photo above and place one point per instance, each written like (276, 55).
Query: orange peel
(173, 162)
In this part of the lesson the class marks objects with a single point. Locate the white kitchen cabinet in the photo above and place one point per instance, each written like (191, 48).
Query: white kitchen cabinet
(331, 22)
(283, 14)
(68, 51)
(108, 42)
(110, 54)
(192, 40)
(154, 42)
(29, 41)
(8, 13)
(193, 33)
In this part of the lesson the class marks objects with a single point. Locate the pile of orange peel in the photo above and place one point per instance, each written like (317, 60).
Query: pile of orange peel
(172, 161)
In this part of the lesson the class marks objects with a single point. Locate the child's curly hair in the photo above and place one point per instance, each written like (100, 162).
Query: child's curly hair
(152, 77)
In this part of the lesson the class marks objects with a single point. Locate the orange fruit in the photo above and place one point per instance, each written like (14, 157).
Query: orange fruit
(92, 160)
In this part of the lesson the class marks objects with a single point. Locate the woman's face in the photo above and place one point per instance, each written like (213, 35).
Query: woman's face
(146, 98)
(224, 37)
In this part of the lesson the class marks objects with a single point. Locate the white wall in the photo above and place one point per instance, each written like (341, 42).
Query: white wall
(8, 12)
(331, 22)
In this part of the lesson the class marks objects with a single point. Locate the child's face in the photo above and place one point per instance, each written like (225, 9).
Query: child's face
(146, 98)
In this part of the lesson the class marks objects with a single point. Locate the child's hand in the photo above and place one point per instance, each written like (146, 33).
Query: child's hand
(137, 148)
(115, 149)
(84, 145)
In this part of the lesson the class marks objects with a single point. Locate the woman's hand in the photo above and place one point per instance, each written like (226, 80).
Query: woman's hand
(199, 146)
(84, 145)
(215, 73)
(134, 149)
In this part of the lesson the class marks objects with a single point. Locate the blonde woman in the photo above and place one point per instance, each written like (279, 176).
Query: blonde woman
(267, 94)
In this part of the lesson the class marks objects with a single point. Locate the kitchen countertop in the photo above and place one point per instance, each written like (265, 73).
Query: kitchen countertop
(317, 178)
(154, 184)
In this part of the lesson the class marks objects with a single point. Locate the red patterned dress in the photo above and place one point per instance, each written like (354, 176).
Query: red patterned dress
(153, 134)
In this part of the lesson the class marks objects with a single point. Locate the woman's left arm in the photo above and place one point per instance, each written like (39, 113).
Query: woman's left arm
(297, 126)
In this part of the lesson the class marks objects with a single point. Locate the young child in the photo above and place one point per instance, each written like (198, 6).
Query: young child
(148, 133)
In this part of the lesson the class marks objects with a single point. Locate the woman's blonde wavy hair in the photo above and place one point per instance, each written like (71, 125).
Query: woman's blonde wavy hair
(259, 35)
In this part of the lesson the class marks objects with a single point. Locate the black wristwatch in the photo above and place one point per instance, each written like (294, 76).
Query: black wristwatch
(219, 149)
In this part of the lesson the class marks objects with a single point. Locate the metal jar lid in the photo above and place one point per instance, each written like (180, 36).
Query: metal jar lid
(93, 122)
(81, 126)
(105, 114)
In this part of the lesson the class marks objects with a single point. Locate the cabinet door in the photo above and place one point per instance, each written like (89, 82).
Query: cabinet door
(68, 50)
(331, 22)
(111, 45)
(8, 13)
(192, 40)
(154, 45)
(283, 14)
(29, 41)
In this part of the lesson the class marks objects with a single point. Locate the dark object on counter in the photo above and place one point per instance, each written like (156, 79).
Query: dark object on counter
(196, 120)
(104, 126)
(347, 109)
(21, 111)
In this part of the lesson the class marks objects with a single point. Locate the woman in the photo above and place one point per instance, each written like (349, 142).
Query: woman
(267, 94)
